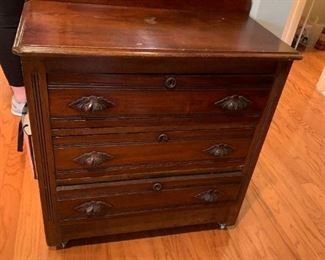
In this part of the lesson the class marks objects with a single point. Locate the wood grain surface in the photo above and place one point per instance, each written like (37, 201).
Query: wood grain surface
(101, 30)
(219, 5)
(144, 103)
(283, 215)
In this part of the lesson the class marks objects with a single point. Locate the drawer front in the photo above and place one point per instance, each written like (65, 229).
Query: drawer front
(150, 134)
(150, 220)
(171, 156)
(121, 198)
(102, 103)
(92, 157)
(159, 81)
(74, 125)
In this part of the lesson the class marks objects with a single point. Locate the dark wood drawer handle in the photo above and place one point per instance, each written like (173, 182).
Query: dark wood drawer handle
(170, 83)
(209, 196)
(93, 208)
(157, 186)
(91, 104)
(220, 150)
(233, 103)
(93, 158)
(163, 138)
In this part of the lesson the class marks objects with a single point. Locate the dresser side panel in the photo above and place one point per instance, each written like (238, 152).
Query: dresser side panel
(281, 74)
(37, 99)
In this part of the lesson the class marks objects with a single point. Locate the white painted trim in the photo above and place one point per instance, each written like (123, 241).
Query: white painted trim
(321, 83)
(293, 20)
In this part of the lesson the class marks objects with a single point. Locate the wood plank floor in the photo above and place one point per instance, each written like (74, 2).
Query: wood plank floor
(283, 216)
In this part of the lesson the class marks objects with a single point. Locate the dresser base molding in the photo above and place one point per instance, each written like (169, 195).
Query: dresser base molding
(196, 218)
(143, 234)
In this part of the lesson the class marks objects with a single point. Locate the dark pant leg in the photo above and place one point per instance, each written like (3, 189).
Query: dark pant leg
(10, 63)
(10, 11)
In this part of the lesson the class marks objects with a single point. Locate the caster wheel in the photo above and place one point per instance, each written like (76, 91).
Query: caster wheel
(62, 245)
(222, 226)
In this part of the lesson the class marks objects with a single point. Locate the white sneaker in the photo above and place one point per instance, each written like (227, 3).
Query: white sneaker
(16, 107)
(26, 123)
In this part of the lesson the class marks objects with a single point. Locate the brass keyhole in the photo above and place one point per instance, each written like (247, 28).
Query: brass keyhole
(163, 138)
(157, 187)
(170, 83)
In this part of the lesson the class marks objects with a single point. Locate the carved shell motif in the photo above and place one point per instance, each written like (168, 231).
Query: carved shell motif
(233, 103)
(209, 196)
(220, 150)
(91, 104)
(93, 208)
(93, 158)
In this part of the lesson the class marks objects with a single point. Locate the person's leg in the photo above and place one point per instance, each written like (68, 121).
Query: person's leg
(10, 11)
(19, 94)
(10, 63)
(11, 67)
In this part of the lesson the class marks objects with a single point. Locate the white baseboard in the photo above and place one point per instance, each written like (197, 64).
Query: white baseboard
(321, 83)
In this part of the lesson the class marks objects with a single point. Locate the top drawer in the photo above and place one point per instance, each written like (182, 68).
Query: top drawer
(152, 95)
(159, 81)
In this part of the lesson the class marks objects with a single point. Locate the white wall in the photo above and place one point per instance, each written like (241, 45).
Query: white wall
(272, 14)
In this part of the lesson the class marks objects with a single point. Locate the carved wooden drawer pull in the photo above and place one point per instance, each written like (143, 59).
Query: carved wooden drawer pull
(233, 103)
(91, 104)
(93, 158)
(170, 83)
(93, 208)
(163, 138)
(220, 150)
(209, 196)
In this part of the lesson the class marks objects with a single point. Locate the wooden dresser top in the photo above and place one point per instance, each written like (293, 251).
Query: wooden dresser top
(221, 5)
(74, 29)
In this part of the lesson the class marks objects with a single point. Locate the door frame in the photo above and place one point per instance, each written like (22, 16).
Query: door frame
(294, 17)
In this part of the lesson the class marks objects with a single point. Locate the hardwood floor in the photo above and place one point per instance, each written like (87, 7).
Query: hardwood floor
(283, 216)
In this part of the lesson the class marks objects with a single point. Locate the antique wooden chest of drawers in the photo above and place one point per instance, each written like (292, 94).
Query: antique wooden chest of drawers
(146, 114)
